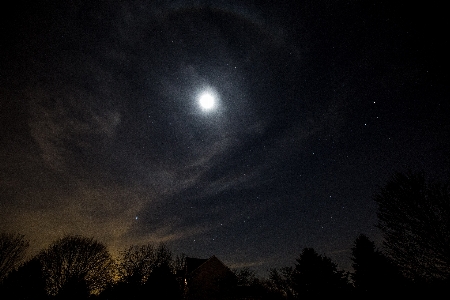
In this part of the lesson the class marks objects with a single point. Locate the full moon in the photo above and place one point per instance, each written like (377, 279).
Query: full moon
(207, 101)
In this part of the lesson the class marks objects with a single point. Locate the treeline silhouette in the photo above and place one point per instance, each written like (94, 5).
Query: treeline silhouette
(414, 217)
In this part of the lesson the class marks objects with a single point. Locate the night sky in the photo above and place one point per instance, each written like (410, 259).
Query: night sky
(316, 105)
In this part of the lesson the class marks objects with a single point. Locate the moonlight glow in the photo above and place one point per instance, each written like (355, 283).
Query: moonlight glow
(207, 101)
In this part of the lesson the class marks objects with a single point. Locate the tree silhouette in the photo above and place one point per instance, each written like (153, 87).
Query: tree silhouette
(136, 264)
(267, 290)
(316, 276)
(249, 286)
(25, 283)
(414, 216)
(245, 276)
(12, 251)
(281, 282)
(162, 284)
(374, 274)
(179, 266)
(146, 271)
(74, 289)
(76, 266)
(313, 277)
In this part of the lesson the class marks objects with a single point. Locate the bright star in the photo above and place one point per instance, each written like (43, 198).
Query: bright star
(207, 101)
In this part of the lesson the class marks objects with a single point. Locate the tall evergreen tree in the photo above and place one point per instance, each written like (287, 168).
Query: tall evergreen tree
(316, 276)
(374, 273)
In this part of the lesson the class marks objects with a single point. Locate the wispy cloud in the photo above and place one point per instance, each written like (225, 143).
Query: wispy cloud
(64, 122)
(246, 264)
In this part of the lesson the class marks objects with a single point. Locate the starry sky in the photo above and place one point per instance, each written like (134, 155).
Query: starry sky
(317, 104)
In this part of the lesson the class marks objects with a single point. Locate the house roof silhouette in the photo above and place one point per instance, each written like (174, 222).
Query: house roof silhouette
(194, 263)
(208, 279)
